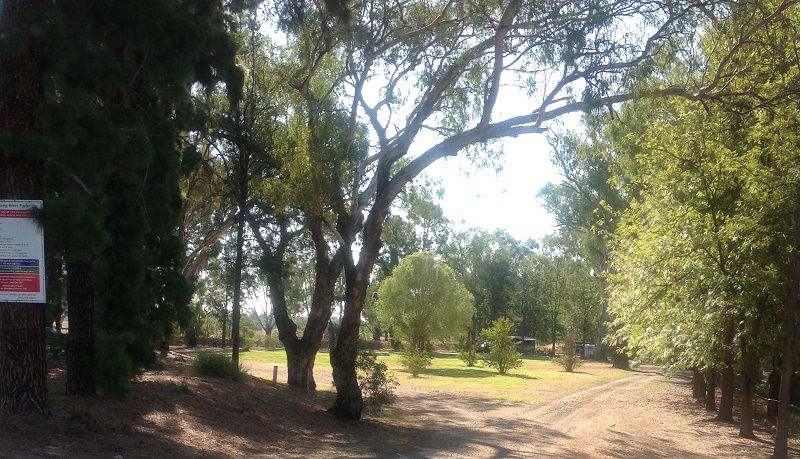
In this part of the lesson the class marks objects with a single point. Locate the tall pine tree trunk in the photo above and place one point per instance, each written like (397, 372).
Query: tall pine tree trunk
(23, 365)
(80, 341)
(236, 308)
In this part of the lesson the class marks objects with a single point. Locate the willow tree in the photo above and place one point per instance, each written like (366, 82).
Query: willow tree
(423, 300)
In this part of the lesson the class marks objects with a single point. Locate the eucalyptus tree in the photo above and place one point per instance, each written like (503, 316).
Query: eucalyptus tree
(489, 264)
(586, 204)
(426, 80)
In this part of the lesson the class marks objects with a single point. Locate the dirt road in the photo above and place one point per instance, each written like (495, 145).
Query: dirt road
(643, 415)
(172, 413)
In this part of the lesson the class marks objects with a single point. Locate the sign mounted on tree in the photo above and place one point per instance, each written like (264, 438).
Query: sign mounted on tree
(22, 274)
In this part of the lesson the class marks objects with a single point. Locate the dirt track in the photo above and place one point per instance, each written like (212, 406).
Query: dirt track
(172, 413)
(639, 416)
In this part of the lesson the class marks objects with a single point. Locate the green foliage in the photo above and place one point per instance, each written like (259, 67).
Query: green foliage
(707, 249)
(422, 301)
(503, 353)
(569, 360)
(469, 356)
(269, 342)
(115, 102)
(113, 369)
(376, 383)
(489, 265)
(415, 361)
(217, 365)
(369, 344)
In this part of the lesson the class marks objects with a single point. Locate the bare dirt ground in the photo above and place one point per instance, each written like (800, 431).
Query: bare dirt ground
(173, 413)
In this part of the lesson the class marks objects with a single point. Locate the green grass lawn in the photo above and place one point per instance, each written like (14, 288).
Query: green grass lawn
(536, 379)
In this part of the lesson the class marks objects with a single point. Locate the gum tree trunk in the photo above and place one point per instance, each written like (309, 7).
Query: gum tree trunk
(710, 404)
(300, 352)
(23, 365)
(748, 377)
(698, 385)
(727, 379)
(349, 403)
(774, 380)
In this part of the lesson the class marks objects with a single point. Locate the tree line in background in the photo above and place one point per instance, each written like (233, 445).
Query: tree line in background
(188, 157)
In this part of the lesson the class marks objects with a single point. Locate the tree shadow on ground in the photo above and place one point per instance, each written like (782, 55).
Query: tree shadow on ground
(468, 373)
(456, 372)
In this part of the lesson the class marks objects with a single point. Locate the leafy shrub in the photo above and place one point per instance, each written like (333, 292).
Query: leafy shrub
(569, 359)
(468, 355)
(217, 365)
(377, 384)
(502, 353)
(271, 342)
(415, 361)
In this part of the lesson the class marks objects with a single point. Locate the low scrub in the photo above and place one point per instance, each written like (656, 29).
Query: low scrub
(376, 383)
(570, 360)
(469, 356)
(369, 344)
(217, 365)
(415, 361)
(502, 354)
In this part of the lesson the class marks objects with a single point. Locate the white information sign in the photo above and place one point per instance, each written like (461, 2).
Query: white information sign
(22, 273)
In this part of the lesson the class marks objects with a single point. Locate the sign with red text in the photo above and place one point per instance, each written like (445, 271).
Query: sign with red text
(22, 273)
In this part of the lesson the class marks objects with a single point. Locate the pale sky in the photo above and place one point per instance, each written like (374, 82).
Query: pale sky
(506, 200)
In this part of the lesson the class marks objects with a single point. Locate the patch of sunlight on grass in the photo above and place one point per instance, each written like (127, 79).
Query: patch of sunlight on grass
(537, 379)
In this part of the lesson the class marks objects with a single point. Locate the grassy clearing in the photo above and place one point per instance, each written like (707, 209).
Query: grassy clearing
(535, 380)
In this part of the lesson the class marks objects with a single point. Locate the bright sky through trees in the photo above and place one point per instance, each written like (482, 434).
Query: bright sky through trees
(506, 200)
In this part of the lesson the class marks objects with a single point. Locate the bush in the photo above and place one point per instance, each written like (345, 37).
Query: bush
(469, 356)
(376, 383)
(271, 342)
(502, 353)
(217, 365)
(415, 361)
(569, 359)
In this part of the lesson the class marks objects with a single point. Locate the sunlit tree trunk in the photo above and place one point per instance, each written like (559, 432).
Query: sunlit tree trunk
(698, 384)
